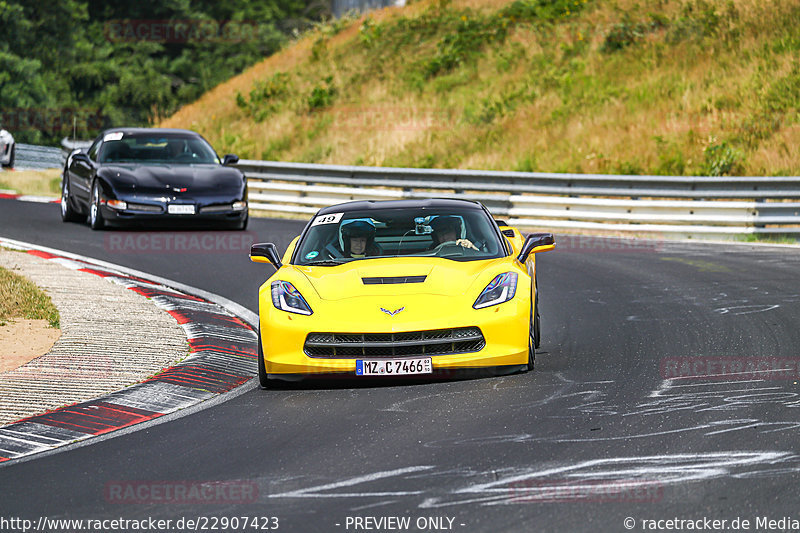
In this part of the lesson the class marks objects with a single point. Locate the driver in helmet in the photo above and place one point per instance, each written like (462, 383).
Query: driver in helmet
(447, 229)
(359, 239)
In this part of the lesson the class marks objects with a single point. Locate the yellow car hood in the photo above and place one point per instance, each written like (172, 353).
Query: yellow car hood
(443, 277)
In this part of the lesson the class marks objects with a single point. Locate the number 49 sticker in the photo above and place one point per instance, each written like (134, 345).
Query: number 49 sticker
(333, 218)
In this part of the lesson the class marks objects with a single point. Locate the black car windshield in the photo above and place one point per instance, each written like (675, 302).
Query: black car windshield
(170, 148)
(452, 233)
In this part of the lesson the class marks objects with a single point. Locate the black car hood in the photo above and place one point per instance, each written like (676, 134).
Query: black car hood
(157, 178)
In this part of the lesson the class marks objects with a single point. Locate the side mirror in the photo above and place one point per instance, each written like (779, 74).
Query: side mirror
(230, 159)
(81, 157)
(265, 252)
(534, 243)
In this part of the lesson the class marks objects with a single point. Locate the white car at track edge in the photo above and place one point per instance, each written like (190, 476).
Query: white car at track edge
(7, 149)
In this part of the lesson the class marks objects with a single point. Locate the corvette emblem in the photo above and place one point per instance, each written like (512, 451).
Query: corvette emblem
(392, 313)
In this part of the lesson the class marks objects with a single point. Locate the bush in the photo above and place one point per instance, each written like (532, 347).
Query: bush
(319, 49)
(471, 35)
(721, 160)
(543, 10)
(370, 33)
(266, 96)
(701, 18)
(626, 33)
(322, 96)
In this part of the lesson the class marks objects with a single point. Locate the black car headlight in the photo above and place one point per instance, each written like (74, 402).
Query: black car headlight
(286, 298)
(501, 289)
(117, 204)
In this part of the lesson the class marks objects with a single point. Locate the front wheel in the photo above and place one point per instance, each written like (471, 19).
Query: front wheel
(10, 163)
(96, 221)
(263, 379)
(68, 213)
(533, 333)
(531, 355)
(242, 225)
(537, 320)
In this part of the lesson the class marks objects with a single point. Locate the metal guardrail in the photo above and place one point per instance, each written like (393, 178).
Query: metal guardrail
(33, 157)
(340, 7)
(683, 205)
(667, 205)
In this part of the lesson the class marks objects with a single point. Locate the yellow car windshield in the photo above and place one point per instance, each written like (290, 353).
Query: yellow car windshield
(457, 234)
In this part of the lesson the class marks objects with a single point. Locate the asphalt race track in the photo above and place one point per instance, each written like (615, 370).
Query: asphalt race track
(636, 408)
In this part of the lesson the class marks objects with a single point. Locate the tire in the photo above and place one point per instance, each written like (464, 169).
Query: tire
(241, 226)
(95, 217)
(10, 163)
(263, 379)
(68, 213)
(531, 355)
(533, 333)
(537, 319)
(537, 322)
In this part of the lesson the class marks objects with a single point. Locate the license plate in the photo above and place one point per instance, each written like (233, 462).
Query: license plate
(180, 209)
(393, 367)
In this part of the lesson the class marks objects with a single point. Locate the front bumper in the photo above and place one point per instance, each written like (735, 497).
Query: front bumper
(505, 328)
(203, 215)
(349, 379)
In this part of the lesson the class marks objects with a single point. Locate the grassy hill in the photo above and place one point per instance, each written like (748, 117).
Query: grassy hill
(621, 86)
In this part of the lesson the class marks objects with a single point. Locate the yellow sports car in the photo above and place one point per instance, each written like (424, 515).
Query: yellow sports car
(409, 287)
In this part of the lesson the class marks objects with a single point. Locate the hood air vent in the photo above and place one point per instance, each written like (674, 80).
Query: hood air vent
(393, 280)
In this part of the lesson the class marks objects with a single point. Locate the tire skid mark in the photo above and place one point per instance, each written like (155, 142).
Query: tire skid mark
(645, 477)
(222, 357)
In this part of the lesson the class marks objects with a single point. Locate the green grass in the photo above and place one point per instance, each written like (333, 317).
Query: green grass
(20, 298)
(770, 239)
(689, 87)
(34, 182)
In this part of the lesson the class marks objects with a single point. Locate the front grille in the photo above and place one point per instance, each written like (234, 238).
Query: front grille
(216, 209)
(145, 208)
(409, 343)
(393, 280)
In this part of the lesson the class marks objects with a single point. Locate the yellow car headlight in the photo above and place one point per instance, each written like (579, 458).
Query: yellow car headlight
(501, 289)
(287, 298)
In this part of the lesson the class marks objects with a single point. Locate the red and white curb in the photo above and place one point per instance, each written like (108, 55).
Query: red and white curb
(223, 357)
(11, 195)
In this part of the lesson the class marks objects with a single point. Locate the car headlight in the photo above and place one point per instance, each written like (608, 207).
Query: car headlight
(239, 206)
(286, 298)
(117, 204)
(501, 289)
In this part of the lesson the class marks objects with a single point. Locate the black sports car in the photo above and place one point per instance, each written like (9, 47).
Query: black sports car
(133, 175)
